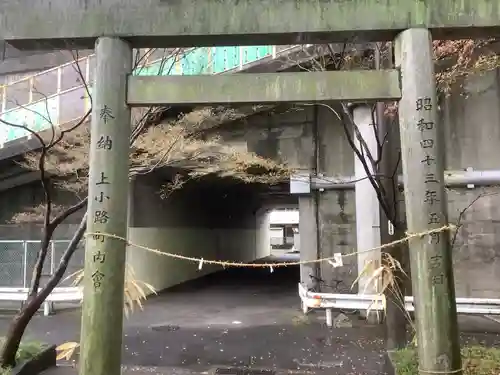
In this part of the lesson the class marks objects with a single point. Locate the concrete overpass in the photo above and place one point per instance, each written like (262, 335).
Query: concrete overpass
(220, 225)
(63, 103)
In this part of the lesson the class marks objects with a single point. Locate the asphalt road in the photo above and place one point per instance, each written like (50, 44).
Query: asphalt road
(237, 318)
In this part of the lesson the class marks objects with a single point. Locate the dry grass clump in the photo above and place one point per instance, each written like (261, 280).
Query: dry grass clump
(134, 289)
(383, 279)
(135, 293)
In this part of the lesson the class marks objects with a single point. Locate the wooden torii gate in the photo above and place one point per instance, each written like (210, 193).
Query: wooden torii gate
(114, 27)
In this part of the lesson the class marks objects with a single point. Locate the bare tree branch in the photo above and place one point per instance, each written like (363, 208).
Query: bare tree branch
(464, 211)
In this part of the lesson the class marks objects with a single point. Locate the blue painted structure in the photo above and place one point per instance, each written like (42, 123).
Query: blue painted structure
(63, 97)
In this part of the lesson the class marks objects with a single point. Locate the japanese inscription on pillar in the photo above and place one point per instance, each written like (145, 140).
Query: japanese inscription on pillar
(100, 215)
(426, 126)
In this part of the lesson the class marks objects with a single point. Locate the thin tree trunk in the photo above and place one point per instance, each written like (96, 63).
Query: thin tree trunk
(396, 318)
(14, 335)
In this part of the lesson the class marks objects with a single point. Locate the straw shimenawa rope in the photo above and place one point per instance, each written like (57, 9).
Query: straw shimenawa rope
(409, 236)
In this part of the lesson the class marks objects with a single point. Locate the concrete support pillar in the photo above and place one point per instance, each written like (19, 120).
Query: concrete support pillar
(327, 217)
(423, 176)
(308, 230)
(102, 316)
(309, 215)
(367, 204)
(263, 233)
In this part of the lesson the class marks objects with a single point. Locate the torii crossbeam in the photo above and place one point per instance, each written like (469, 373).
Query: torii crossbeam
(186, 23)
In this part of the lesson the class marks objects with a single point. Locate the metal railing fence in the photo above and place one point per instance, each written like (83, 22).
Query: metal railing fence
(18, 258)
(58, 96)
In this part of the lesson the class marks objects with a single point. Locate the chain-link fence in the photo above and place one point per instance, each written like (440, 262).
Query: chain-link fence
(18, 258)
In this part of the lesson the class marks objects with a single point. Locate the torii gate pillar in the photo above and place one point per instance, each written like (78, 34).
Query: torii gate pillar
(422, 156)
(102, 324)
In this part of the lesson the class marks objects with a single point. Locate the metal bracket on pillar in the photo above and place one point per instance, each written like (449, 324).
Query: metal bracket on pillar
(470, 186)
(353, 105)
(304, 183)
(320, 189)
(300, 183)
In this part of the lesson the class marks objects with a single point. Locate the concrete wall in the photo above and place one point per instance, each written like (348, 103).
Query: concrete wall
(214, 222)
(23, 199)
(288, 134)
(211, 223)
(472, 134)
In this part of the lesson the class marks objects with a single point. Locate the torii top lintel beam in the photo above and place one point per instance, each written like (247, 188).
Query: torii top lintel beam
(52, 24)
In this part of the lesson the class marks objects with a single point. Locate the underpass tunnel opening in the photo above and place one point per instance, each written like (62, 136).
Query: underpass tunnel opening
(209, 218)
(284, 233)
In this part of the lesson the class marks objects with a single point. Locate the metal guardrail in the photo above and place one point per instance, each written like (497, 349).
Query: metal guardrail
(331, 301)
(57, 295)
(58, 95)
(17, 260)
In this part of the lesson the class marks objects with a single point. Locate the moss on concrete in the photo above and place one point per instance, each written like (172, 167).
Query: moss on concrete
(264, 88)
(182, 23)
(27, 350)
